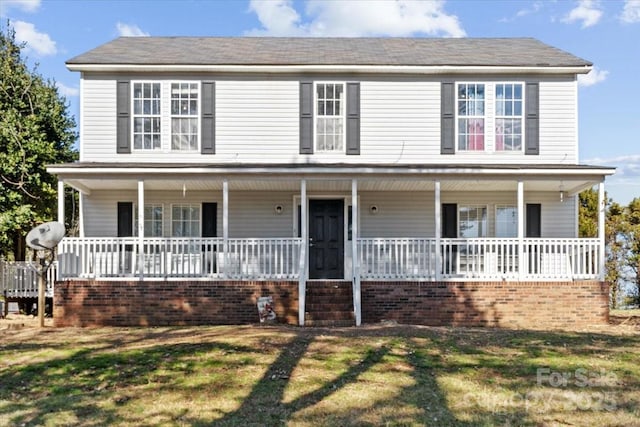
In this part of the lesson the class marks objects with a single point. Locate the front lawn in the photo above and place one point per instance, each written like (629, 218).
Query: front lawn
(374, 375)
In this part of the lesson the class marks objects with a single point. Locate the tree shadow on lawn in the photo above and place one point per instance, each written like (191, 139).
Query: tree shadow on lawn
(94, 384)
(79, 385)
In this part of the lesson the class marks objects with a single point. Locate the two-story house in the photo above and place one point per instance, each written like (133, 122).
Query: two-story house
(429, 181)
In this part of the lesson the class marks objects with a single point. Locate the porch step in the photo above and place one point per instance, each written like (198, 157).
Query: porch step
(329, 303)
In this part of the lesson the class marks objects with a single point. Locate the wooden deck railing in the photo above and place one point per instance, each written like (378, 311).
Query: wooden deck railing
(19, 279)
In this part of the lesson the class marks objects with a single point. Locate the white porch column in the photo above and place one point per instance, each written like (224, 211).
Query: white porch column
(438, 234)
(601, 232)
(141, 229)
(355, 257)
(304, 254)
(61, 202)
(521, 257)
(225, 227)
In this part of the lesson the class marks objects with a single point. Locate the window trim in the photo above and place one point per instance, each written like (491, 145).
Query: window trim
(343, 116)
(471, 205)
(134, 115)
(523, 116)
(198, 116)
(199, 205)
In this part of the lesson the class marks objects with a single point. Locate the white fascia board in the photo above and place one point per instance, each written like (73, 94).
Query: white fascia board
(385, 69)
(102, 171)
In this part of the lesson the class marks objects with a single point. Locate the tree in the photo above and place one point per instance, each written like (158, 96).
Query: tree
(588, 213)
(36, 129)
(632, 237)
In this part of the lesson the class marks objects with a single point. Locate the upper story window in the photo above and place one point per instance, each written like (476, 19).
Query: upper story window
(146, 116)
(509, 116)
(330, 107)
(184, 116)
(471, 116)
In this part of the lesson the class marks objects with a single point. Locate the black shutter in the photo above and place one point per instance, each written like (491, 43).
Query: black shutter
(532, 127)
(299, 221)
(448, 118)
(533, 220)
(449, 220)
(306, 117)
(353, 118)
(125, 219)
(123, 124)
(208, 126)
(209, 220)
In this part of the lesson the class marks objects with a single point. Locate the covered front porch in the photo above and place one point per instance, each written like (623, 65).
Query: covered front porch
(305, 223)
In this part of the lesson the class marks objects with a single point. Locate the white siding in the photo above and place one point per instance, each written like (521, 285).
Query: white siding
(400, 214)
(257, 121)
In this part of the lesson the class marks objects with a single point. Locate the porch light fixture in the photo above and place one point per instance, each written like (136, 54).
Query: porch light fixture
(278, 209)
(373, 209)
(561, 196)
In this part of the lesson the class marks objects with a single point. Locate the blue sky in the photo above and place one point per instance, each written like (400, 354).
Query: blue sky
(606, 33)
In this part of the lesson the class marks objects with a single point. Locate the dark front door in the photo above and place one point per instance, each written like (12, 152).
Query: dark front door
(326, 239)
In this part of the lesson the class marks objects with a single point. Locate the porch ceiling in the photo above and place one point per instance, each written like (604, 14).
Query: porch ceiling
(373, 184)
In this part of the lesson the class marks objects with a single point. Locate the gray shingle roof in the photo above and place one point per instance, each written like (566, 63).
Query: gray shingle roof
(328, 51)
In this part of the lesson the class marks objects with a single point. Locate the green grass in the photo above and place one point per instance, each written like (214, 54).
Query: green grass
(375, 375)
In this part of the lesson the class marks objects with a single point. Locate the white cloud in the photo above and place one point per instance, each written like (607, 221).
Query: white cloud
(587, 11)
(627, 166)
(130, 30)
(23, 5)
(594, 77)
(37, 42)
(356, 18)
(631, 12)
(67, 90)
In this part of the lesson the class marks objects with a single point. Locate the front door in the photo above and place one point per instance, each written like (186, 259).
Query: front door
(326, 239)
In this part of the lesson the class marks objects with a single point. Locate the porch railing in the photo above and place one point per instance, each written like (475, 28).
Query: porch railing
(19, 279)
(478, 259)
(267, 258)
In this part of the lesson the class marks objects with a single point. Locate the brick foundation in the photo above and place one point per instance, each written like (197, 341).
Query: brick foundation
(155, 303)
(507, 304)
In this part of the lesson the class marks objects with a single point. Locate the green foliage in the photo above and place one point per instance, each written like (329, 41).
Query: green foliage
(36, 129)
(588, 213)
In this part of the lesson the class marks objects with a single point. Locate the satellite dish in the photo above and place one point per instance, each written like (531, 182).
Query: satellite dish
(46, 236)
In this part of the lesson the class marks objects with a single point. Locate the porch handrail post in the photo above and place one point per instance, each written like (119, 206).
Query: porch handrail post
(304, 234)
(438, 231)
(61, 202)
(521, 257)
(141, 229)
(225, 228)
(601, 232)
(355, 258)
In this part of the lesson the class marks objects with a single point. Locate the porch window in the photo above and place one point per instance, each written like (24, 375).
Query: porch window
(330, 117)
(153, 220)
(472, 221)
(184, 116)
(471, 116)
(146, 116)
(506, 221)
(509, 116)
(185, 221)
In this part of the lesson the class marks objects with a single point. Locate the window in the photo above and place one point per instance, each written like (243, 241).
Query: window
(185, 221)
(506, 221)
(146, 116)
(473, 221)
(330, 117)
(509, 117)
(470, 101)
(153, 221)
(184, 116)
